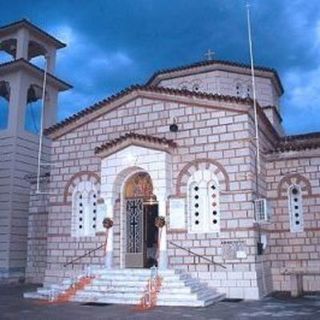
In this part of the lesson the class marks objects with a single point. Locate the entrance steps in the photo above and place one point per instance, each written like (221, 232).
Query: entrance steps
(127, 286)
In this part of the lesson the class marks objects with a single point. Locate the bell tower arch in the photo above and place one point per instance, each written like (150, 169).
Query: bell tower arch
(21, 94)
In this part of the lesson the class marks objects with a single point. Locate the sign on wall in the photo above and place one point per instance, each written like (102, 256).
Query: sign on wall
(232, 250)
(177, 213)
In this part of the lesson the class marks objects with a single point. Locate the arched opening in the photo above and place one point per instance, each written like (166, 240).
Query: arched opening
(8, 50)
(203, 202)
(84, 210)
(4, 104)
(140, 208)
(295, 208)
(33, 109)
(36, 54)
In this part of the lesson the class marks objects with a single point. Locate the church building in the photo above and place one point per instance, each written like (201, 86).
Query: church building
(162, 174)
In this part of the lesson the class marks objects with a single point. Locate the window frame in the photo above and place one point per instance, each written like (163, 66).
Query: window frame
(295, 207)
(204, 180)
(85, 189)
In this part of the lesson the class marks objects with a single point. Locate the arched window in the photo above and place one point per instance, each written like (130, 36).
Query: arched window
(4, 104)
(248, 92)
(183, 86)
(239, 89)
(203, 202)
(196, 87)
(37, 53)
(84, 209)
(295, 208)
(8, 49)
(33, 109)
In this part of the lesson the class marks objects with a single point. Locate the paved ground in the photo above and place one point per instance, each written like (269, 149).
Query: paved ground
(13, 306)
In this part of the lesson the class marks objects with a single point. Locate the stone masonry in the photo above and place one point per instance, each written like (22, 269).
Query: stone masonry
(215, 131)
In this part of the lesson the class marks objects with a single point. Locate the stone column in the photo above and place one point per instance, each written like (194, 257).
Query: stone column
(163, 257)
(22, 44)
(51, 56)
(50, 108)
(109, 248)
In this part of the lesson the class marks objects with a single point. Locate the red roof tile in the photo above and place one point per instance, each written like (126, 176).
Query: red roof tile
(298, 143)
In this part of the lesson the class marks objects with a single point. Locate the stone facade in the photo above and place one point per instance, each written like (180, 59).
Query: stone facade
(215, 133)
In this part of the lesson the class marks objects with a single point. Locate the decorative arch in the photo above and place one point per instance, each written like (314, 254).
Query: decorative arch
(138, 185)
(33, 108)
(243, 89)
(121, 180)
(4, 103)
(196, 85)
(202, 164)
(294, 179)
(203, 202)
(36, 49)
(77, 178)
(184, 85)
(9, 47)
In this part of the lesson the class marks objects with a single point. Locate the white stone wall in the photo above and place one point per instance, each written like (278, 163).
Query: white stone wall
(286, 249)
(204, 133)
(210, 137)
(37, 234)
(225, 83)
(116, 169)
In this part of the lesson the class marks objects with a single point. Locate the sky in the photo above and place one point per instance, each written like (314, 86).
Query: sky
(112, 44)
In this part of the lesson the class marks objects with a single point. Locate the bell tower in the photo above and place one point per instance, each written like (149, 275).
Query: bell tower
(21, 93)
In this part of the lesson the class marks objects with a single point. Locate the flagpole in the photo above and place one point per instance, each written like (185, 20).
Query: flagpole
(38, 191)
(258, 168)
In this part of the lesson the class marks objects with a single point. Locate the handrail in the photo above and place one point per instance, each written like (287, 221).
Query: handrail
(198, 255)
(84, 255)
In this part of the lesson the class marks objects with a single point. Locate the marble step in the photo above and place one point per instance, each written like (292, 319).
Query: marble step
(128, 286)
(143, 272)
(119, 277)
(132, 283)
(141, 288)
(35, 295)
(185, 303)
(91, 297)
(138, 295)
(125, 290)
(163, 300)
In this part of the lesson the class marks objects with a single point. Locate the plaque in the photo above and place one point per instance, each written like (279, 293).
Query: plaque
(177, 214)
(232, 250)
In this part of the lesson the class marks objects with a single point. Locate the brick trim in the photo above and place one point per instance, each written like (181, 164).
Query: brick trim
(75, 179)
(214, 165)
(291, 179)
(106, 151)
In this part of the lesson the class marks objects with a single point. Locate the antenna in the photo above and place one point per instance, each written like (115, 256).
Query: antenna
(41, 124)
(258, 169)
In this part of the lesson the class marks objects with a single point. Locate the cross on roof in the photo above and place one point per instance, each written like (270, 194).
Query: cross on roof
(209, 54)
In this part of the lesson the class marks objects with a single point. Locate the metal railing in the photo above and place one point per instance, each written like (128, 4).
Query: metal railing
(82, 256)
(209, 261)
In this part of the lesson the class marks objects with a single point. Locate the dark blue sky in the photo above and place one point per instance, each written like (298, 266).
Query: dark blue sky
(115, 43)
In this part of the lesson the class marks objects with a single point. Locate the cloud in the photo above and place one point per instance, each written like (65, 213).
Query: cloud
(302, 83)
(111, 61)
(87, 66)
(74, 101)
(303, 89)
